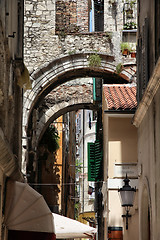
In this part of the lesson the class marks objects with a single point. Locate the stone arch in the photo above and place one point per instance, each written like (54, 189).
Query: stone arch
(57, 103)
(57, 72)
(63, 69)
(56, 111)
(65, 98)
(145, 212)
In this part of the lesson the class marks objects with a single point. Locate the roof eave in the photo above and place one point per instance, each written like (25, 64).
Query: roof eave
(120, 111)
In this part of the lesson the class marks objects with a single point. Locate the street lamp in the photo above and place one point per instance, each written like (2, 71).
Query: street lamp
(127, 198)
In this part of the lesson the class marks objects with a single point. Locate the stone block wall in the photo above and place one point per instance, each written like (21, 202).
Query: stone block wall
(43, 46)
(10, 93)
(113, 16)
(41, 43)
(54, 28)
(82, 15)
(66, 17)
(11, 13)
(71, 16)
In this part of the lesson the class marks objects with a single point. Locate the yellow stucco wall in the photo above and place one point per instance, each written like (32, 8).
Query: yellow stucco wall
(59, 126)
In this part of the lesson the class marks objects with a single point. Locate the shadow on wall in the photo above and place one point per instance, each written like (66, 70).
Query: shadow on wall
(145, 215)
(50, 180)
(43, 171)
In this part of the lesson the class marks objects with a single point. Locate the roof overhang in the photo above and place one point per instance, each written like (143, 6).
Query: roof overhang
(120, 113)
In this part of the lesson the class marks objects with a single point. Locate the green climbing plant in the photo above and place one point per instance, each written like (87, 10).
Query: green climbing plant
(78, 166)
(119, 68)
(94, 60)
(51, 139)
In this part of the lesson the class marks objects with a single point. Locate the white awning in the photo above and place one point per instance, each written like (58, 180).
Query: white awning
(69, 228)
(26, 209)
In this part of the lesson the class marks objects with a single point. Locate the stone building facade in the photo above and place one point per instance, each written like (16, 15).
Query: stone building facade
(11, 69)
(147, 118)
(49, 33)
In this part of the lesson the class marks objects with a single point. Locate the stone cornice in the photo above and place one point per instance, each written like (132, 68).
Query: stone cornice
(148, 96)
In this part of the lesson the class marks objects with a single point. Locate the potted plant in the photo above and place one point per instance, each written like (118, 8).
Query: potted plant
(130, 26)
(133, 52)
(125, 48)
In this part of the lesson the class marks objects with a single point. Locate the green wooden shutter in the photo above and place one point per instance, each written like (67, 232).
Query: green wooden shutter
(98, 161)
(91, 162)
(95, 160)
(97, 89)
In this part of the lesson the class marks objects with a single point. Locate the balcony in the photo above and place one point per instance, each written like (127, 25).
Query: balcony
(130, 15)
(128, 45)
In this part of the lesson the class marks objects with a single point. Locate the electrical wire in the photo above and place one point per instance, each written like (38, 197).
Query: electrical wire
(55, 184)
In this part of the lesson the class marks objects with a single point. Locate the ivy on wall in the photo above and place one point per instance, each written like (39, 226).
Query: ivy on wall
(51, 139)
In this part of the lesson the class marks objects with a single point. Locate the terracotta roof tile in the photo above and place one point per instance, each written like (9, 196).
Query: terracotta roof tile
(120, 97)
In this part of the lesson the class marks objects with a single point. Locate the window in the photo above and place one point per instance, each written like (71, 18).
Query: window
(130, 16)
(96, 16)
(99, 15)
(95, 158)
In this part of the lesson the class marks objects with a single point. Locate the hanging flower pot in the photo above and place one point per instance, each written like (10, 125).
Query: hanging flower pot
(129, 13)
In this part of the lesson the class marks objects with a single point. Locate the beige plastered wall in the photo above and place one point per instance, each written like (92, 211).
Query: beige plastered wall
(122, 142)
(120, 146)
(149, 163)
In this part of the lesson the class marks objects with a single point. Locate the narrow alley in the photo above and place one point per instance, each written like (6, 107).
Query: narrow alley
(79, 122)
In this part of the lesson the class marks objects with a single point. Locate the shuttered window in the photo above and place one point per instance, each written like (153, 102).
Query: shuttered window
(98, 160)
(91, 162)
(95, 158)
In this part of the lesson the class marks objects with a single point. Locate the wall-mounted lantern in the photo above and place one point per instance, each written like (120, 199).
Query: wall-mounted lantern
(127, 197)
